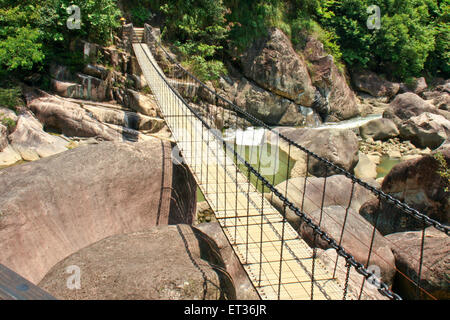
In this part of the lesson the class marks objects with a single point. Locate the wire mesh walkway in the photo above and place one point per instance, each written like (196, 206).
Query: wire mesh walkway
(262, 239)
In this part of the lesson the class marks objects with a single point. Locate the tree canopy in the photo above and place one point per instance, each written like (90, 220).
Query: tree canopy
(412, 39)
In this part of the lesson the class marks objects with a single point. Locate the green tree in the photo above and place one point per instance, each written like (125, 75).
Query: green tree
(198, 30)
(34, 31)
(402, 45)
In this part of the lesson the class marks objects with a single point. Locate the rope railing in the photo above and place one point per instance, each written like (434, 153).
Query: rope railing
(287, 204)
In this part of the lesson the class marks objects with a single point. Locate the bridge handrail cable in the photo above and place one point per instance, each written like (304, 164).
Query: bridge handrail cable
(382, 287)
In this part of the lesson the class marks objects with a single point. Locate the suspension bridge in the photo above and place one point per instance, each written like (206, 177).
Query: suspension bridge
(279, 263)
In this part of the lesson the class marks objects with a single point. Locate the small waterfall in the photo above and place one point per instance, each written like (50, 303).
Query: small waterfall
(351, 123)
(312, 119)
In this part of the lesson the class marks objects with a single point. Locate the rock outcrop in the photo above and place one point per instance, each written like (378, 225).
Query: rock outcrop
(440, 99)
(125, 118)
(32, 142)
(55, 206)
(144, 104)
(161, 263)
(70, 119)
(373, 84)
(334, 98)
(408, 105)
(309, 198)
(263, 104)
(428, 130)
(9, 157)
(275, 66)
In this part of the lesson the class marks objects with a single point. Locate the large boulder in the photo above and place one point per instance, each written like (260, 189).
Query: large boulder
(408, 105)
(336, 145)
(355, 234)
(55, 206)
(161, 263)
(373, 84)
(32, 142)
(262, 104)
(379, 129)
(142, 103)
(439, 99)
(275, 66)
(427, 130)
(418, 183)
(334, 99)
(9, 157)
(71, 119)
(244, 288)
(87, 87)
(435, 270)
(419, 85)
(308, 198)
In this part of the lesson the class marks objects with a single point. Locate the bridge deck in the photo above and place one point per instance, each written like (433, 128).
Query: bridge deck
(253, 227)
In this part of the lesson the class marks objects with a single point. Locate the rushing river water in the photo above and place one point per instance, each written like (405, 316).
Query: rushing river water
(351, 123)
(276, 165)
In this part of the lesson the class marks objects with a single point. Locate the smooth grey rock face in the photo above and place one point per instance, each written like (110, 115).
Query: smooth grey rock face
(373, 84)
(275, 66)
(339, 146)
(426, 130)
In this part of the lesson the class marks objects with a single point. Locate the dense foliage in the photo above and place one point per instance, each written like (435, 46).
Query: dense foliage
(198, 29)
(32, 32)
(412, 34)
(413, 38)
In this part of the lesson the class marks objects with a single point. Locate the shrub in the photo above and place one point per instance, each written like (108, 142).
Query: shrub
(11, 97)
(9, 123)
(444, 170)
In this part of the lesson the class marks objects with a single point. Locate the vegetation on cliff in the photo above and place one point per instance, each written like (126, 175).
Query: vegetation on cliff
(412, 38)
